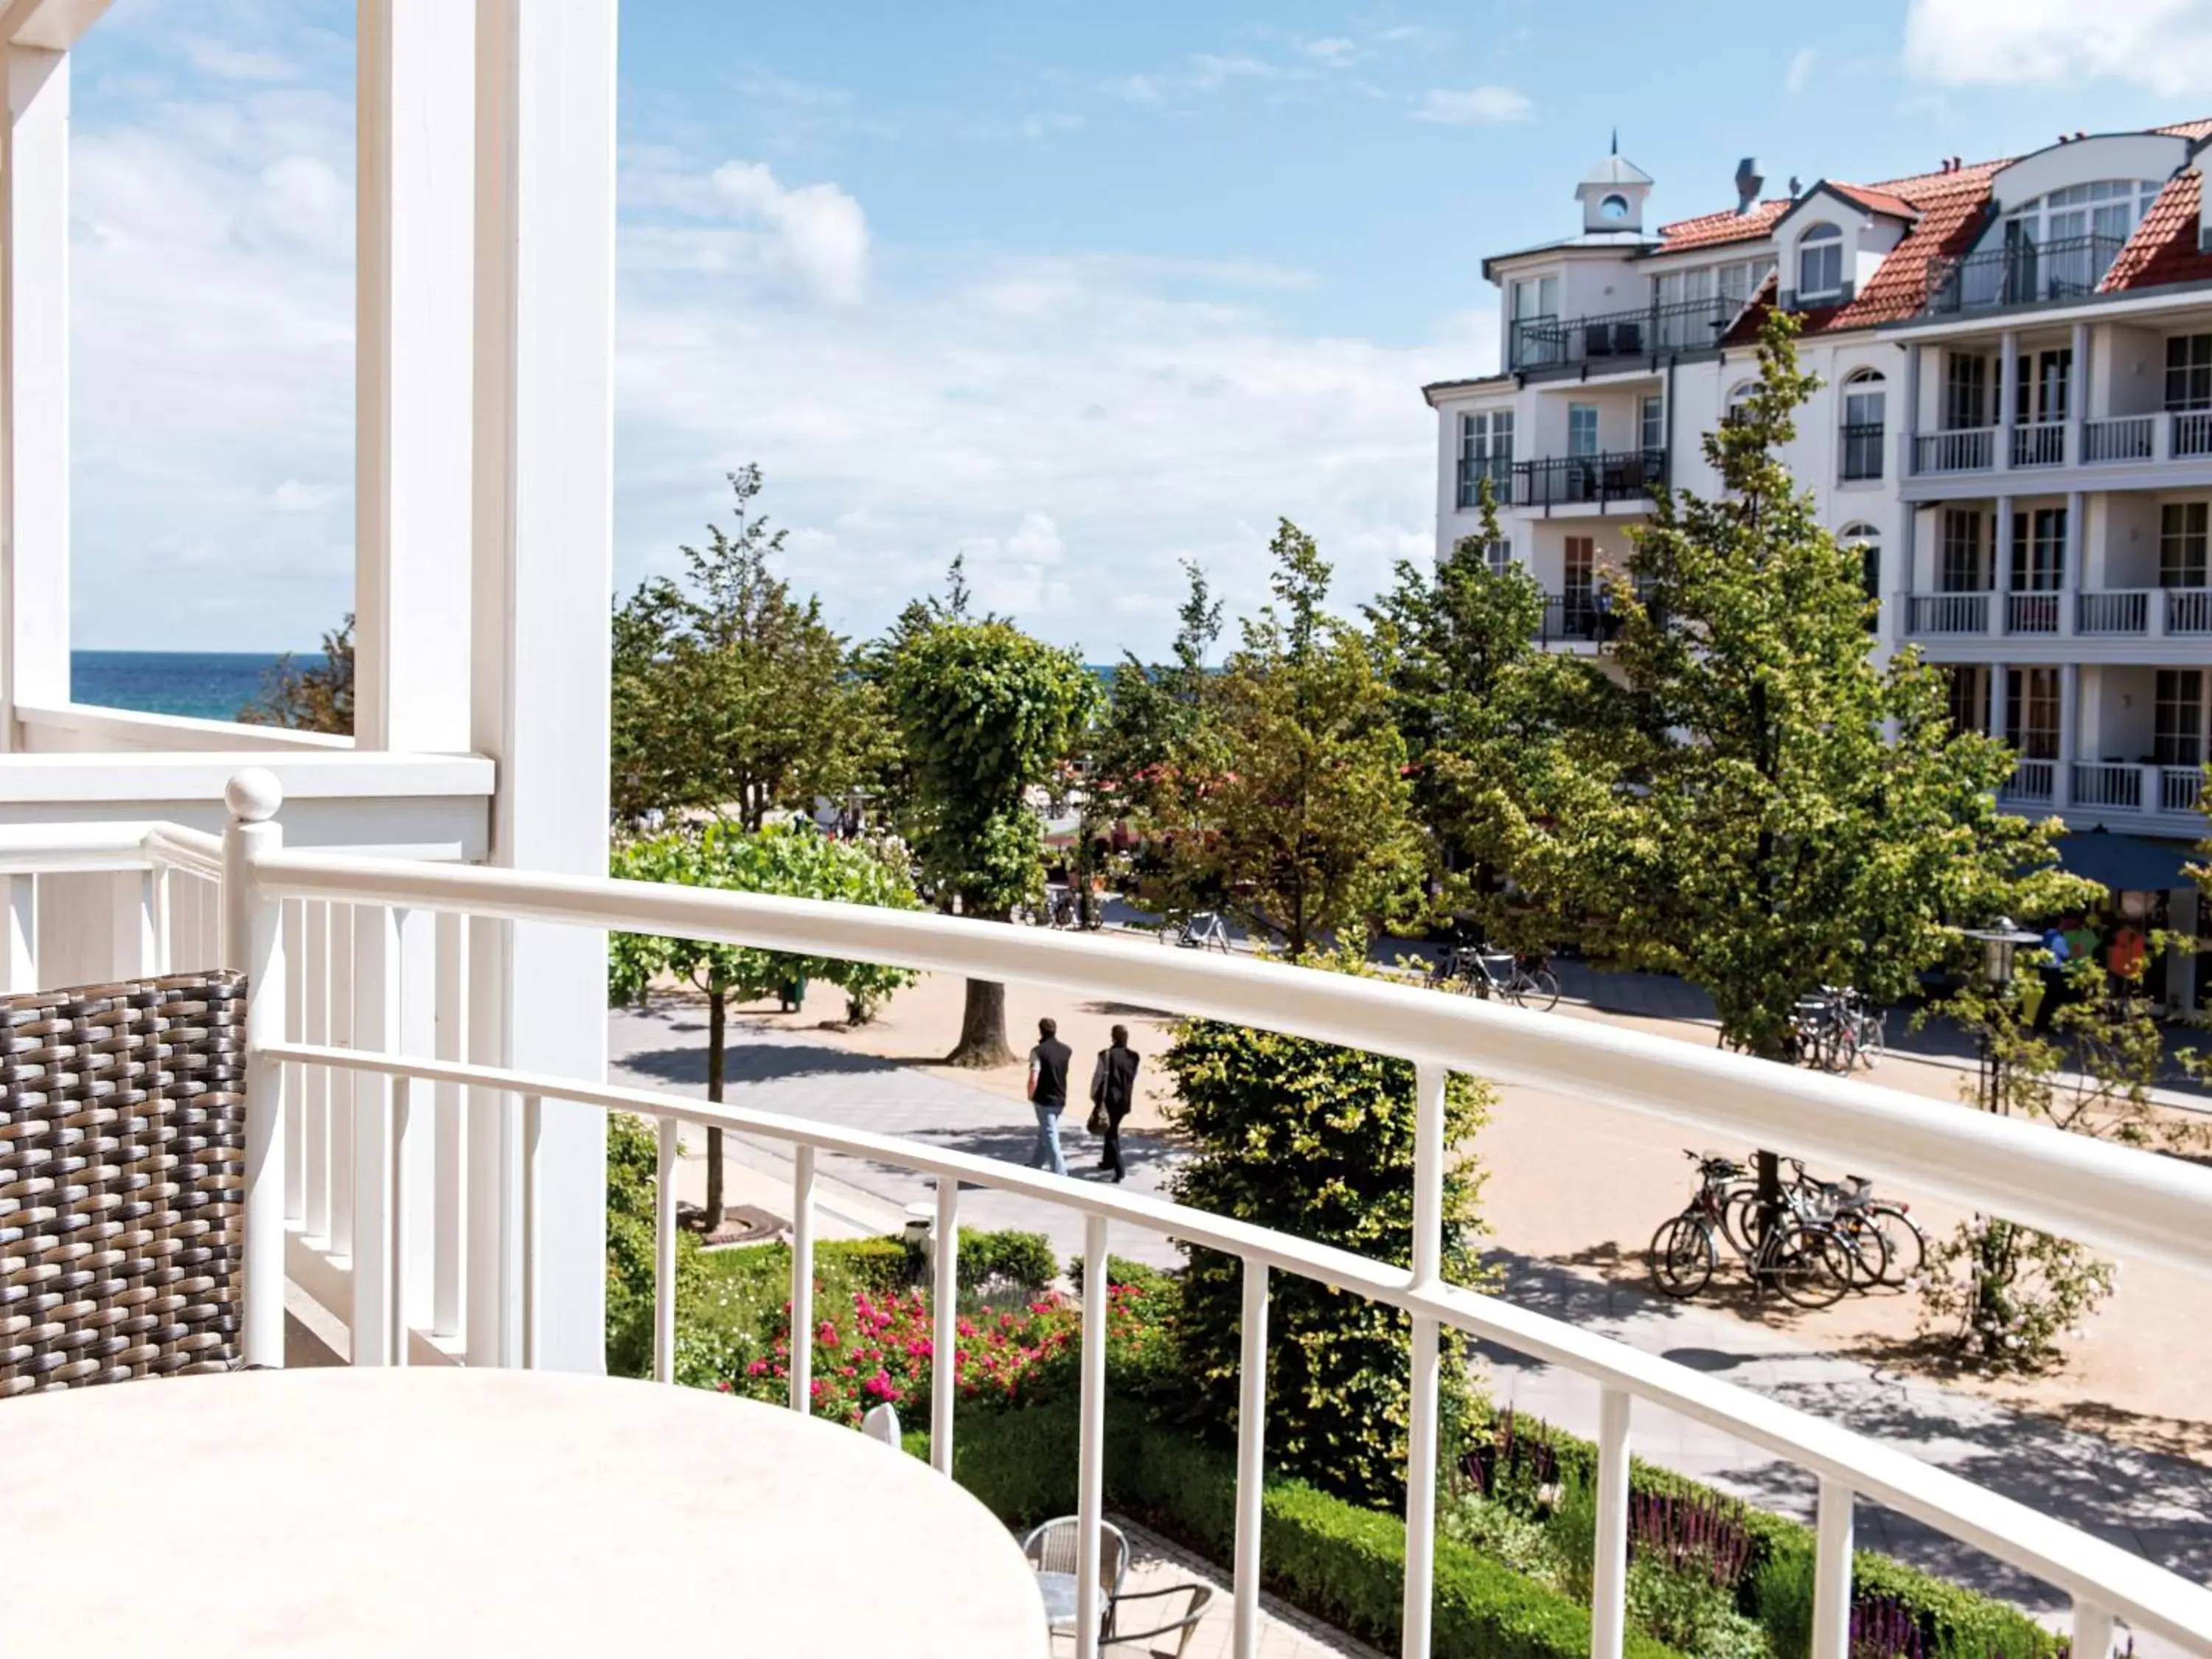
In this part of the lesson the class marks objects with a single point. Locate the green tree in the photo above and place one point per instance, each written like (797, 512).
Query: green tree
(790, 860)
(985, 712)
(1309, 823)
(728, 692)
(316, 698)
(1788, 812)
(1316, 1141)
(1499, 734)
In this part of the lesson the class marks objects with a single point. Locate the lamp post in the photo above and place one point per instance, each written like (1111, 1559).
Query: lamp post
(2000, 944)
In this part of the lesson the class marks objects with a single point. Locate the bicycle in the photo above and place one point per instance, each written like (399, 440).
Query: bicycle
(1880, 1229)
(1484, 973)
(1796, 1254)
(1202, 930)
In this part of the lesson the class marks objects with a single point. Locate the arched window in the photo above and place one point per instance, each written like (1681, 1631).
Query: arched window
(1865, 410)
(2061, 245)
(1868, 540)
(1739, 400)
(1820, 263)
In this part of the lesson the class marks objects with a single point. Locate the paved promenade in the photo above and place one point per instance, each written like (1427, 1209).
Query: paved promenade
(2159, 1506)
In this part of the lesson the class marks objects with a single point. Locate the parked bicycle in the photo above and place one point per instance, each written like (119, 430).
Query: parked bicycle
(1790, 1250)
(1835, 1030)
(1888, 1241)
(1202, 930)
(1524, 981)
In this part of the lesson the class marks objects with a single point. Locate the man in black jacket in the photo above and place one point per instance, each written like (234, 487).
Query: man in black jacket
(1113, 1087)
(1049, 1063)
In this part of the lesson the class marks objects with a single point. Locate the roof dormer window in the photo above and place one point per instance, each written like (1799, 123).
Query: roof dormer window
(1820, 263)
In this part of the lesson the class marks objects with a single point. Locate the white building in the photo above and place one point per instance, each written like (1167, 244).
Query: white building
(2016, 421)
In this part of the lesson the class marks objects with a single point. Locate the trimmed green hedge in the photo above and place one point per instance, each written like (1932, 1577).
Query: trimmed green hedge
(1955, 1622)
(1341, 1563)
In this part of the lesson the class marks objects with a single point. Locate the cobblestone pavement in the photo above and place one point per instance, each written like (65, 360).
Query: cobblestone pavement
(2158, 1506)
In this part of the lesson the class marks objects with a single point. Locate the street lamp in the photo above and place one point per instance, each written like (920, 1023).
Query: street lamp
(2000, 944)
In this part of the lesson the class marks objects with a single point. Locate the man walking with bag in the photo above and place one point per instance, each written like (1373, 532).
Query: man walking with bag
(1113, 1087)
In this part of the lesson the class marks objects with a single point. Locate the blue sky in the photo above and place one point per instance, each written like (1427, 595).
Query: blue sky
(1080, 291)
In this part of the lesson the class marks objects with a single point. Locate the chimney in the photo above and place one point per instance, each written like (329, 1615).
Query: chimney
(1748, 183)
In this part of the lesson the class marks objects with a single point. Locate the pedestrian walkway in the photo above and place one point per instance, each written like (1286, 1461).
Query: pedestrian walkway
(2158, 1506)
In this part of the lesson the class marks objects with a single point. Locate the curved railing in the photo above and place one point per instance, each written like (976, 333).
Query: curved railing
(2104, 1195)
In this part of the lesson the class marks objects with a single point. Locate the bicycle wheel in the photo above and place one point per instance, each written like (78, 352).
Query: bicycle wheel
(1682, 1257)
(1740, 1217)
(1908, 1245)
(1871, 1047)
(1869, 1248)
(1810, 1265)
(1538, 990)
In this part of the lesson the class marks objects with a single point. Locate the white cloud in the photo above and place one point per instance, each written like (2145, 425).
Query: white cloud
(1138, 89)
(822, 234)
(1333, 53)
(2164, 46)
(1800, 70)
(1474, 106)
(229, 63)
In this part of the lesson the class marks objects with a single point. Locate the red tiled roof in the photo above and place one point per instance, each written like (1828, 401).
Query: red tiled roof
(1950, 205)
(1712, 230)
(1877, 201)
(2164, 248)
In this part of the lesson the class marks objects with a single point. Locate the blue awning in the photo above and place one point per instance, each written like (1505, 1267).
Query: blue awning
(2123, 864)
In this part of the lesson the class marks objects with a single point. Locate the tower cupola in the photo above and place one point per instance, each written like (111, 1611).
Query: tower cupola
(1612, 194)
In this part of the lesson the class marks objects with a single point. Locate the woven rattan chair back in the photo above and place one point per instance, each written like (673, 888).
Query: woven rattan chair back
(122, 1181)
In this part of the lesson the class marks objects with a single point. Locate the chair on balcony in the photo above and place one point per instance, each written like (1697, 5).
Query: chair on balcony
(121, 1181)
(1054, 1550)
(1198, 1598)
(882, 1424)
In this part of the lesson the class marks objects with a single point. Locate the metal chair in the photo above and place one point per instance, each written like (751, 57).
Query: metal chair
(882, 1424)
(123, 1129)
(1055, 1550)
(1200, 1597)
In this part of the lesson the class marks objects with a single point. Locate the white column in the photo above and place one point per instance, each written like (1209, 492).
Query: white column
(1898, 625)
(253, 942)
(34, 413)
(2008, 398)
(2000, 574)
(1996, 700)
(542, 567)
(415, 215)
(2069, 578)
(2069, 704)
(1430, 1083)
(2077, 394)
(19, 958)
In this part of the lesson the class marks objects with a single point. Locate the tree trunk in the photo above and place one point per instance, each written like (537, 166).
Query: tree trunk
(983, 1027)
(717, 1030)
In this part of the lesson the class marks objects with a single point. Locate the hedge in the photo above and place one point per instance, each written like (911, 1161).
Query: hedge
(1341, 1563)
(1955, 1622)
(885, 1265)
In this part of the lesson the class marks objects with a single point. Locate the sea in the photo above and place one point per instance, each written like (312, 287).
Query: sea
(208, 685)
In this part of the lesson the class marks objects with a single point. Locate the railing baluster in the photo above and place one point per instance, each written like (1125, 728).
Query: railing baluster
(252, 941)
(944, 1326)
(341, 1087)
(397, 1207)
(801, 1341)
(1251, 1457)
(1090, 1452)
(2093, 1631)
(375, 1027)
(663, 1257)
(295, 1092)
(533, 1115)
(315, 1090)
(1609, 1567)
(449, 1224)
(22, 965)
(1832, 1573)
(1429, 1080)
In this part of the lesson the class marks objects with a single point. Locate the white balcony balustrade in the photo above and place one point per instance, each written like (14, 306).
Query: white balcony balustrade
(2121, 438)
(356, 1120)
(2118, 784)
(2034, 612)
(2192, 434)
(1947, 613)
(2189, 609)
(2042, 444)
(2033, 783)
(1971, 450)
(2112, 611)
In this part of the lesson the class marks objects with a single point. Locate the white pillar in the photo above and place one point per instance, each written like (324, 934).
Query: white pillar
(2008, 399)
(34, 413)
(542, 565)
(2070, 576)
(416, 215)
(2077, 393)
(253, 942)
(2001, 573)
(1996, 700)
(2070, 705)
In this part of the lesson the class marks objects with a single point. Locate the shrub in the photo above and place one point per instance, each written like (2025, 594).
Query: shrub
(633, 1167)
(1316, 1141)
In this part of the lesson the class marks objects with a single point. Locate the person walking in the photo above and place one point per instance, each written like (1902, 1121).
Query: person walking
(2056, 946)
(1049, 1094)
(1113, 1088)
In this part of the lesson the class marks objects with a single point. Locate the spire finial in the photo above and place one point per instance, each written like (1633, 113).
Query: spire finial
(1616, 141)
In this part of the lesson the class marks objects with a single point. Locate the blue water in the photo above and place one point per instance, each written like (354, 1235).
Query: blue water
(208, 685)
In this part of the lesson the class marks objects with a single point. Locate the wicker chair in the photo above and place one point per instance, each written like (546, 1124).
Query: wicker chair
(1054, 1549)
(122, 1181)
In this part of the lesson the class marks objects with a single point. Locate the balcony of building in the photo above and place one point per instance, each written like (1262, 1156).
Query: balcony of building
(1617, 341)
(2025, 273)
(1601, 484)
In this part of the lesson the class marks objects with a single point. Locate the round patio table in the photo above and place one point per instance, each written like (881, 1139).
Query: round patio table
(450, 1511)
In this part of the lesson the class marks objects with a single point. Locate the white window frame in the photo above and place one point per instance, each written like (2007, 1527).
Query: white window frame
(1823, 243)
(1573, 411)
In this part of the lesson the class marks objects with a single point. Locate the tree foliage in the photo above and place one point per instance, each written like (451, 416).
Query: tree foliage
(789, 860)
(1316, 1141)
(728, 692)
(1308, 824)
(984, 712)
(316, 698)
(1787, 813)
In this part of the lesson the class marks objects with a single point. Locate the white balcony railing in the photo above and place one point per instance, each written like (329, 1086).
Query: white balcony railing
(2189, 609)
(2179, 788)
(2114, 784)
(2033, 783)
(1947, 613)
(1972, 450)
(280, 909)
(2121, 438)
(2192, 432)
(2113, 611)
(2035, 612)
(2042, 444)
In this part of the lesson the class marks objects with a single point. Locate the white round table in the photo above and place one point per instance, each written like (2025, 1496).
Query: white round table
(453, 1512)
